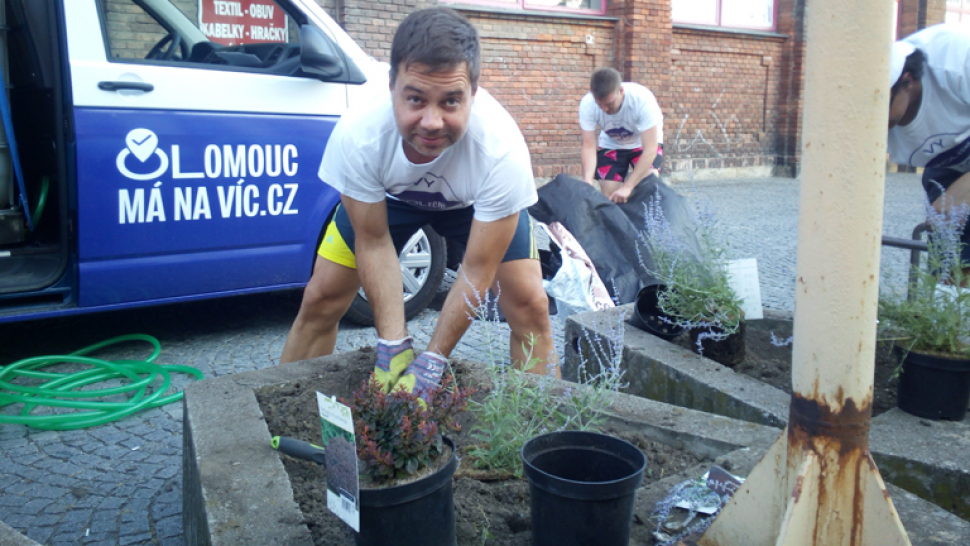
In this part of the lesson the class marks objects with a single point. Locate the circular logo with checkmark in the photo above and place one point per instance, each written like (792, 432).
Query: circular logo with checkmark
(143, 145)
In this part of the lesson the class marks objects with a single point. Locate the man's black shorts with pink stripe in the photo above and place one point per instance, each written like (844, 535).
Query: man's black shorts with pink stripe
(616, 164)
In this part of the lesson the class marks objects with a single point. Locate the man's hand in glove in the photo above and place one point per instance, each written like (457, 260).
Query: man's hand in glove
(423, 374)
(393, 358)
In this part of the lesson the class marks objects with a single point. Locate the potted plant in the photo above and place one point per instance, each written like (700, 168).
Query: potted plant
(407, 464)
(930, 325)
(690, 264)
(582, 483)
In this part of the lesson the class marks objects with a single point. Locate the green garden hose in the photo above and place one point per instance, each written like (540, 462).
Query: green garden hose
(63, 390)
(41, 201)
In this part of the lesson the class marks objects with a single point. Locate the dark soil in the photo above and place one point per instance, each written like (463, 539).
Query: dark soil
(487, 512)
(771, 364)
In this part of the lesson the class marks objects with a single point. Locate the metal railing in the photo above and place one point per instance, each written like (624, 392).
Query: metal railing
(915, 246)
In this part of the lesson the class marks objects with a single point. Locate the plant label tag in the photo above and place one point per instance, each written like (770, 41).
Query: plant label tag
(743, 278)
(721, 481)
(343, 482)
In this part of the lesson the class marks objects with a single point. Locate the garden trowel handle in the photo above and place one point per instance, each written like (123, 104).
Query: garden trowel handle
(299, 449)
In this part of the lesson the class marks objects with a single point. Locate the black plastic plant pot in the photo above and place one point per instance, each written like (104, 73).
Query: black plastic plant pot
(729, 351)
(648, 317)
(582, 487)
(420, 513)
(934, 387)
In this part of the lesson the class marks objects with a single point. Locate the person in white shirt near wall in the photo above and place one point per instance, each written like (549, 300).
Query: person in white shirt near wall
(629, 146)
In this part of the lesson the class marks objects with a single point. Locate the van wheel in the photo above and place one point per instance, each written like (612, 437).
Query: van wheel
(422, 268)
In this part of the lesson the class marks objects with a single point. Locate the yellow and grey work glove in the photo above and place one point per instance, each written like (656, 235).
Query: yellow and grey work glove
(393, 357)
(423, 375)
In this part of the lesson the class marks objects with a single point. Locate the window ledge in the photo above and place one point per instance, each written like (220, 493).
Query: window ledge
(732, 31)
(530, 13)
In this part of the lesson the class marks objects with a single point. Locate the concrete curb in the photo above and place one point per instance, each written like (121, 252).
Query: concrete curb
(237, 492)
(9, 537)
(930, 459)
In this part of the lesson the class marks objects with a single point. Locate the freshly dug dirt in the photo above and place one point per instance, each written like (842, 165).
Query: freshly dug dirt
(487, 512)
(771, 363)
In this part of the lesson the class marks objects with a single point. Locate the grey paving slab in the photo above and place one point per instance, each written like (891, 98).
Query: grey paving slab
(138, 460)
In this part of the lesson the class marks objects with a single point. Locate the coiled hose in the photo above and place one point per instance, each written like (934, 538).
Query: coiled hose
(63, 390)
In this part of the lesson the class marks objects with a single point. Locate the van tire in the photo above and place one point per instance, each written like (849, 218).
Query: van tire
(424, 241)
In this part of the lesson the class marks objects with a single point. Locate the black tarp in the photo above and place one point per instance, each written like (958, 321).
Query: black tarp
(609, 232)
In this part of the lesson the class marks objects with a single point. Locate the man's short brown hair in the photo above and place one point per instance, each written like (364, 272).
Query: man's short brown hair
(604, 82)
(439, 38)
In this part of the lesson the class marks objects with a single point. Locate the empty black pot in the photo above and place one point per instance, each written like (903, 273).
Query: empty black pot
(648, 317)
(934, 387)
(420, 513)
(581, 488)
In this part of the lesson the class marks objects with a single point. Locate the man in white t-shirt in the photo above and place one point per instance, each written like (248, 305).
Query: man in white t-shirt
(929, 114)
(631, 134)
(438, 151)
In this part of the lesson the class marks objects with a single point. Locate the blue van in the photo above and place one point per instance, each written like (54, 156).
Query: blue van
(160, 151)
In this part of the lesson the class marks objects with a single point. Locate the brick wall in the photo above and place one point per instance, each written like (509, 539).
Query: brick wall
(730, 100)
(935, 12)
(132, 32)
(538, 67)
(371, 23)
(789, 21)
(918, 14)
(722, 111)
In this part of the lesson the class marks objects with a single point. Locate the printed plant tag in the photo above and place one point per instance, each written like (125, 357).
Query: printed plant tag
(343, 482)
(743, 278)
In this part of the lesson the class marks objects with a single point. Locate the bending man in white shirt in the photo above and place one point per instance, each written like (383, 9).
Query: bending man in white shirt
(438, 151)
(929, 114)
(631, 134)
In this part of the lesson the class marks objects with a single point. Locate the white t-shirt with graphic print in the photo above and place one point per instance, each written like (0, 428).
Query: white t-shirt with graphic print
(939, 135)
(622, 130)
(489, 167)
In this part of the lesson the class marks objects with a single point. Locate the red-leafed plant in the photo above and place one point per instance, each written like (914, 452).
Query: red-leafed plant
(396, 436)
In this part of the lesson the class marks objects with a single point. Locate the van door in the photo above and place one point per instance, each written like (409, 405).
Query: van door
(198, 141)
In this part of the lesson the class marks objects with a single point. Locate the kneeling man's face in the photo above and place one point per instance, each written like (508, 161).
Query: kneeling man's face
(431, 108)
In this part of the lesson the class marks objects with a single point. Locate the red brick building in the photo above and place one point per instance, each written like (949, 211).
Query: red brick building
(728, 74)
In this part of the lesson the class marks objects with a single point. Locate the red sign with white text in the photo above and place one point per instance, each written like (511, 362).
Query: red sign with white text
(234, 22)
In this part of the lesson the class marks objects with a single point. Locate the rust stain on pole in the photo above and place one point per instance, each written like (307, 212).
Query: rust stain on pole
(811, 418)
(815, 426)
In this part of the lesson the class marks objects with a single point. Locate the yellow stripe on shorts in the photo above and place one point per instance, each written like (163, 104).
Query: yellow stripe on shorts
(533, 248)
(334, 248)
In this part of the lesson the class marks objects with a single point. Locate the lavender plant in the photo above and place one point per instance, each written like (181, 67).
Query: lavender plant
(935, 317)
(696, 294)
(521, 405)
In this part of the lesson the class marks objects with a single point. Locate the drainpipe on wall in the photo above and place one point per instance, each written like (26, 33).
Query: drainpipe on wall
(818, 484)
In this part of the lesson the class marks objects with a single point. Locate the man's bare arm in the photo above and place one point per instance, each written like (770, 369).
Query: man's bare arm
(649, 141)
(487, 244)
(377, 266)
(588, 156)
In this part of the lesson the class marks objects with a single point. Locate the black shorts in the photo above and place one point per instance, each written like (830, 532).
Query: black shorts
(404, 220)
(615, 164)
(937, 180)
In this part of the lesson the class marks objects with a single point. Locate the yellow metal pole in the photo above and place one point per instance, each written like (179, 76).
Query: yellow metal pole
(818, 485)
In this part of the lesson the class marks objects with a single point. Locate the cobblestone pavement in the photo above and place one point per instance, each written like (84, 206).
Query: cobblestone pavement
(120, 484)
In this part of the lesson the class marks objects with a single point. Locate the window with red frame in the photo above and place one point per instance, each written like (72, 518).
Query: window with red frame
(750, 14)
(958, 11)
(597, 7)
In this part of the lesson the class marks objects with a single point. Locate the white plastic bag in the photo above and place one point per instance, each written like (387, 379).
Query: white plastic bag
(576, 286)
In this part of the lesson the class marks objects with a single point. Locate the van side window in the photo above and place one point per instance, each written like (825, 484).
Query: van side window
(249, 35)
